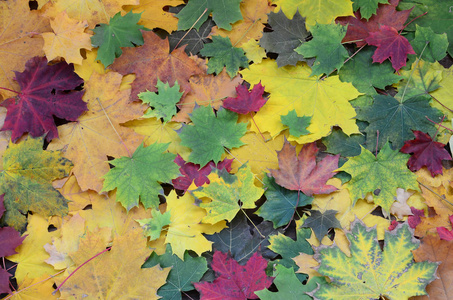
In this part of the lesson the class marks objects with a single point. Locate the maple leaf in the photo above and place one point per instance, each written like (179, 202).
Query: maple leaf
(444, 233)
(325, 37)
(390, 44)
(327, 101)
(400, 208)
(26, 180)
(223, 53)
(193, 39)
(226, 190)
(297, 125)
(17, 44)
(10, 239)
(235, 281)
(280, 203)
(210, 134)
(321, 222)
(116, 273)
(426, 153)
(152, 61)
(4, 281)
(365, 75)
(152, 227)
(359, 29)
(182, 275)
(287, 35)
(121, 31)
(429, 45)
(253, 51)
(246, 101)
(302, 173)
(289, 286)
(395, 120)
(132, 179)
(415, 219)
(67, 39)
(193, 173)
(44, 94)
(223, 12)
(367, 7)
(370, 272)
(339, 143)
(98, 133)
(380, 175)
(163, 102)
(241, 241)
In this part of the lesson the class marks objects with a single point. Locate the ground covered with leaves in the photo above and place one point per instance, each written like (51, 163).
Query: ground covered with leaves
(226, 149)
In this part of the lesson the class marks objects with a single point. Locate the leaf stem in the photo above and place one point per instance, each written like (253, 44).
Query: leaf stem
(439, 196)
(257, 230)
(9, 90)
(412, 21)
(251, 115)
(30, 286)
(349, 58)
(193, 25)
(439, 124)
(377, 141)
(84, 263)
(295, 210)
(440, 103)
(247, 31)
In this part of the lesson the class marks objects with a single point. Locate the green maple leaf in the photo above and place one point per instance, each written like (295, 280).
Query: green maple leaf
(287, 35)
(152, 227)
(289, 286)
(370, 273)
(26, 181)
(122, 31)
(224, 13)
(340, 143)
(428, 45)
(439, 17)
(321, 222)
(367, 7)
(289, 248)
(226, 190)
(396, 120)
(210, 134)
(365, 75)
(182, 274)
(297, 125)
(136, 178)
(280, 203)
(223, 54)
(380, 175)
(326, 47)
(163, 102)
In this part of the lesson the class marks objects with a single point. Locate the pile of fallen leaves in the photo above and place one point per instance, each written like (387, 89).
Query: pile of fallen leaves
(226, 149)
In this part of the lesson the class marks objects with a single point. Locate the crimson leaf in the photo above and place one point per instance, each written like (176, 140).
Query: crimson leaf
(246, 101)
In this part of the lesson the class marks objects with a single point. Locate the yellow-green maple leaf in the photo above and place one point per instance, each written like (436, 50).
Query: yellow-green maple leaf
(226, 190)
(292, 88)
(315, 11)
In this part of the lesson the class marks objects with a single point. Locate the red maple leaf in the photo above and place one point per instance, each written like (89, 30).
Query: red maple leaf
(390, 44)
(444, 233)
(426, 153)
(192, 173)
(302, 172)
(246, 101)
(46, 91)
(235, 281)
(415, 219)
(386, 14)
(4, 282)
(10, 238)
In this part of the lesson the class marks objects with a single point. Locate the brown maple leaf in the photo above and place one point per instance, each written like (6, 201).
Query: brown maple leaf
(302, 172)
(154, 61)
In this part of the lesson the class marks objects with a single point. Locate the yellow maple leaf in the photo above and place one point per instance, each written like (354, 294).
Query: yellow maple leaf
(66, 40)
(253, 51)
(444, 95)
(31, 255)
(185, 231)
(35, 289)
(90, 65)
(77, 199)
(292, 88)
(315, 11)
(254, 16)
(307, 265)
(98, 132)
(115, 274)
(20, 40)
(153, 14)
(93, 11)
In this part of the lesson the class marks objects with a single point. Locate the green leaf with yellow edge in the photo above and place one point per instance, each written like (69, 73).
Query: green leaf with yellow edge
(315, 11)
(367, 7)
(26, 181)
(326, 47)
(163, 102)
(370, 273)
(153, 226)
(380, 175)
(136, 178)
(292, 88)
(225, 191)
(297, 125)
(289, 286)
(186, 230)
